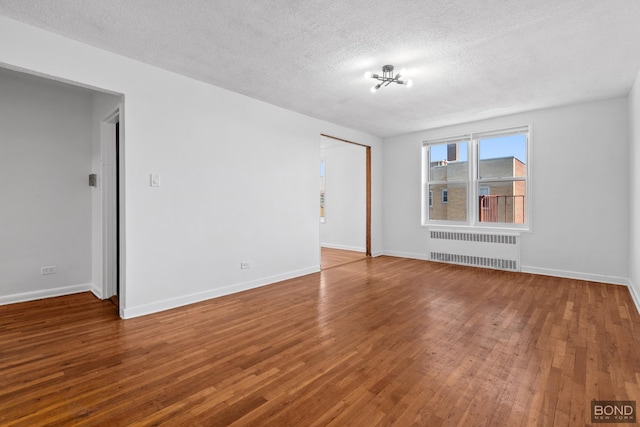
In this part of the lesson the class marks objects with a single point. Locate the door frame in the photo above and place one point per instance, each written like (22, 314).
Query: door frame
(368, 188)
(113, 220)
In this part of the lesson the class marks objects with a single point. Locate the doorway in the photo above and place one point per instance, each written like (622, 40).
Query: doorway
(345, 201)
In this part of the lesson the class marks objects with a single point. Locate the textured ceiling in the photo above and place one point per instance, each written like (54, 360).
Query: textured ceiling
(469, 59)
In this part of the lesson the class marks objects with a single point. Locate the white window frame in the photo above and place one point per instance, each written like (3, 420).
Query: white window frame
(474, 183)
(445, 196)
(430, 199)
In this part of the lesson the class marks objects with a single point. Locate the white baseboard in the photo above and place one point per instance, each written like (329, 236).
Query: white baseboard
(613, 280)
(45, 293)
(343, 247)
(634, 295)
(167, 304)
(377, 254)
(96, 291)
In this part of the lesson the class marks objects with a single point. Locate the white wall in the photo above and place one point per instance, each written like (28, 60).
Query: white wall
(580, 191)
(45, 159)
(634, 175)
(239, 177)
(345, 225)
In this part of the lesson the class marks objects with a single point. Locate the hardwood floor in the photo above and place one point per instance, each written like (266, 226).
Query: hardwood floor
(334, 257)
(377, 342)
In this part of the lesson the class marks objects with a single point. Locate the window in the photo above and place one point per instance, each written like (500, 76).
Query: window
(483, 179)
(447, 175)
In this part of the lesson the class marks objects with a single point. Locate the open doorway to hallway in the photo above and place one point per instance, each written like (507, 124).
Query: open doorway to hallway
(54, 186)
(345, 201)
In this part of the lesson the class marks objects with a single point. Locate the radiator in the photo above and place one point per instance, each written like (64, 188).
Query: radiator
(489, 250)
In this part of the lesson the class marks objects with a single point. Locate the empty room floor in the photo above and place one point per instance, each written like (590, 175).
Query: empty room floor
(384, 341)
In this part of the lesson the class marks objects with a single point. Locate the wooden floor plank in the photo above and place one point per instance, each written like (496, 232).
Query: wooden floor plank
(382, 341)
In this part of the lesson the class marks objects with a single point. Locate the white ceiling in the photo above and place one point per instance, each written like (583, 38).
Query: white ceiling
(469, 59)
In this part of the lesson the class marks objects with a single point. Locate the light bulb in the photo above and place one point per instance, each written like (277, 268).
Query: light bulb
(408, 83)
(367, 75)
(374, 89)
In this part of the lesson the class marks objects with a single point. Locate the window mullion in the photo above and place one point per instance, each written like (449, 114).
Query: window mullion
(473, 187)
(457, 181)
(515, 178)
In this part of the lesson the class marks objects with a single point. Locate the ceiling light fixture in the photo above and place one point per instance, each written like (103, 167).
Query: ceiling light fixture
(387, 78)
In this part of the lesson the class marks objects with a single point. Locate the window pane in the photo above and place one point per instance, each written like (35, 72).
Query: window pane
(503, 157)
(449, 202)
(448, 161)
(502, 202)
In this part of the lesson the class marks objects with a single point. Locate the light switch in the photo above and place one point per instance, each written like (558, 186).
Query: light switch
(155, 180)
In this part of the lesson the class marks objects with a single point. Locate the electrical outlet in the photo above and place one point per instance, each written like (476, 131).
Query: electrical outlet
(48, 270)
(245, 265)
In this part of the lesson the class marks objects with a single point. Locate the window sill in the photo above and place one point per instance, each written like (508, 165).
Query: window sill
(502, 228)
